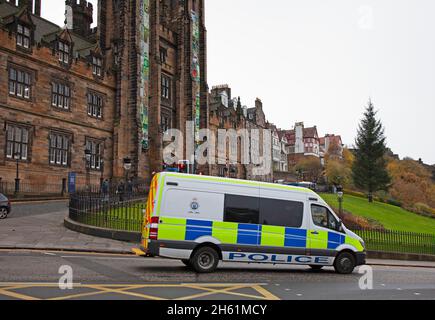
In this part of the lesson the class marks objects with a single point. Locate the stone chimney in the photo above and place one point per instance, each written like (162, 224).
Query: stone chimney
(299, 138)
(79, 16)
(258, 104)
(37, 11)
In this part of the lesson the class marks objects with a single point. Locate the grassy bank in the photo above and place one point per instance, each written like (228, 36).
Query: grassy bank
(391, 217)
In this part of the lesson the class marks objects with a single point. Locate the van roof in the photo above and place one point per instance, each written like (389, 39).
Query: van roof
(238, 181)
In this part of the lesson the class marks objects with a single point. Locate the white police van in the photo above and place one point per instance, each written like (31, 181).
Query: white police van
(202, 220)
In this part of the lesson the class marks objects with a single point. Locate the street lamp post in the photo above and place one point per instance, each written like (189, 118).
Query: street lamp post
(88, 156)
(102, 173)
(340, 199)
(17, 179)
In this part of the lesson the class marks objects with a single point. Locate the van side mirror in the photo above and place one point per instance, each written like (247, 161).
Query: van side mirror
(340, 226)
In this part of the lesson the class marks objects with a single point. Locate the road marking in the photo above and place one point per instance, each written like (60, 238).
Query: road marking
(124, 289)
(209, 293)
(268, 295)
(103, 258)
(16, 295)
(49, 254)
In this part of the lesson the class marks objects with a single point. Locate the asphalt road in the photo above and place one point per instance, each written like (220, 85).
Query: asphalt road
(35, 275)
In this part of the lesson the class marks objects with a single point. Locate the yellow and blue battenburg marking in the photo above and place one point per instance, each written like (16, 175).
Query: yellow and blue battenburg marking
(246, 234)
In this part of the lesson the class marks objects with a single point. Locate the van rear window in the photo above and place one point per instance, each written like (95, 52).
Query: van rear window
(281, 213)
(242, 209)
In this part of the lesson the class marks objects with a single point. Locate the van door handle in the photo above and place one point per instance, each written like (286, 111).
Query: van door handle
(315, 233)
(173, 184)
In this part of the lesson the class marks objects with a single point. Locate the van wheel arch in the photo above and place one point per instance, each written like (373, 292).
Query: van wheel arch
(211, 245)
(343, 269)
(346, 250)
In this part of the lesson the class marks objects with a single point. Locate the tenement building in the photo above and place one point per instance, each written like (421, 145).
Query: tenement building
(84, 100)
(250, 155)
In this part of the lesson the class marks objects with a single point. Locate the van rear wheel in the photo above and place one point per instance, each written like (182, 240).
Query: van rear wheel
(205, 260)
(344, 263)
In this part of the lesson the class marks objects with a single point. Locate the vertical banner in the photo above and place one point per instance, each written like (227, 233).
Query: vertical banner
(196, 73)
(144, 70)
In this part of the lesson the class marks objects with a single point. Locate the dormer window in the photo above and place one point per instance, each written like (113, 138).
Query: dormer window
(97, 64)
(23, 36)
(64, 52)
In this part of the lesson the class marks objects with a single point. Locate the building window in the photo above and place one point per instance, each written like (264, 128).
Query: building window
(19, 83)
(59, 149)
(64, 52)
(166, 87)
(60, 96)
(95, 105)
(163, 55)
(96, 148)
(97, 64)
(23, 36)
(166, 123)
(17, 142)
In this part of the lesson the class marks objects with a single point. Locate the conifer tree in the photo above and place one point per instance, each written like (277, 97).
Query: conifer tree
(369, 170)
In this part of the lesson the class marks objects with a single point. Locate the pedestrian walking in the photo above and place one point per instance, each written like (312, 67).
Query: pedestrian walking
(129, 189)
(121, 191)
(105, 190)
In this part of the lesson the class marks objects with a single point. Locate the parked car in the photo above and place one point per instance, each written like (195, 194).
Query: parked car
(5, 206)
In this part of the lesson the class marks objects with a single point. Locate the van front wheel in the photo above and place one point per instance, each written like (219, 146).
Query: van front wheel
(205, 260)
(344, 263)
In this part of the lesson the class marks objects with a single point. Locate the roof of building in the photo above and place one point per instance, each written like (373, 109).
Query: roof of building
(46, 30)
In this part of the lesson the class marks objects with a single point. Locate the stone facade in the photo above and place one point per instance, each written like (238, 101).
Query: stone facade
(227, 113)
(96, 73)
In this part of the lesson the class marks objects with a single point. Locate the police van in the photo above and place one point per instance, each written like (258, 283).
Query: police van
(203, 220)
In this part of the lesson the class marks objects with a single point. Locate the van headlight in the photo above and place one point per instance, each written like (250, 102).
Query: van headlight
(363, 244)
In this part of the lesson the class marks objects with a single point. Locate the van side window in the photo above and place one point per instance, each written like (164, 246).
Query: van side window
(241, 209)
(281, 213)
(322, 217)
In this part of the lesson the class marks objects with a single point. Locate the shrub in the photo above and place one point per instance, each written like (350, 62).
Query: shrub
(357, 222)
(424, 209)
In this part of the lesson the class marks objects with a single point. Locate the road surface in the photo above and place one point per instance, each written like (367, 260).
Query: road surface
(35, 275)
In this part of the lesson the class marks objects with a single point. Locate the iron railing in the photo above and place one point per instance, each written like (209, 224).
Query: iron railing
(108, 212)
(32, 189)
(398, 241)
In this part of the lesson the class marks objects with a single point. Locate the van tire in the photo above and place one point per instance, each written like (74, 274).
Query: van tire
(204, 260)
(316, 267)
(186, 263)
(344, 263)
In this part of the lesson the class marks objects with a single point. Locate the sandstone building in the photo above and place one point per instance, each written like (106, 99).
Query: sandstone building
(112, 89)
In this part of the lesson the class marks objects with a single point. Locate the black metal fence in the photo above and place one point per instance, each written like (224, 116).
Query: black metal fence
(26, 189)
(106, 211)
(398, 241)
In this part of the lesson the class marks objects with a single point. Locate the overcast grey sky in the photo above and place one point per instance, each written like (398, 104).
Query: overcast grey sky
(319, 61)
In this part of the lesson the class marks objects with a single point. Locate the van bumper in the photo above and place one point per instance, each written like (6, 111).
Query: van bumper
(361, 258)
(153, 248)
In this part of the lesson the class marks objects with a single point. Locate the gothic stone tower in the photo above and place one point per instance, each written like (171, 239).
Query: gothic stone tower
(158, 52)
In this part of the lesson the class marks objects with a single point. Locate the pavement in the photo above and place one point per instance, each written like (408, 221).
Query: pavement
(34, 275)
(39, 225)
